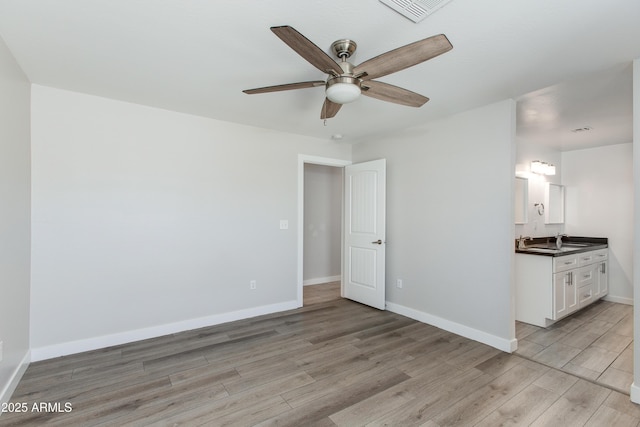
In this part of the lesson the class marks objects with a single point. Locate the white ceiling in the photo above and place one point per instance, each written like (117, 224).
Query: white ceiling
(586, 111)
(566, 61)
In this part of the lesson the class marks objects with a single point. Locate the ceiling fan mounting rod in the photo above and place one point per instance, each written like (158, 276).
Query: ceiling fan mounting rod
(347, 68)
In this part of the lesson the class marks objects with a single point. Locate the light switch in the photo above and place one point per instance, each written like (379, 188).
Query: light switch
(284, 224)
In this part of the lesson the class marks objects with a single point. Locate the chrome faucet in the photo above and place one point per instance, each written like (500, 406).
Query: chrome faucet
(559, 240)
(521, 240)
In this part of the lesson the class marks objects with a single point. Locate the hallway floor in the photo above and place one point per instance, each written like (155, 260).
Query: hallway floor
(324, 292)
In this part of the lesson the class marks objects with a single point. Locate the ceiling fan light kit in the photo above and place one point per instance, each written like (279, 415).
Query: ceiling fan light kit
(347, 82)
(343, 89)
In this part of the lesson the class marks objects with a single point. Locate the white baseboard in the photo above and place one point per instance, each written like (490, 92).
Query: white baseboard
(8, 390)
(635, 393)
(502, 344)
(79, 346)
(320, 280)
(620, 300)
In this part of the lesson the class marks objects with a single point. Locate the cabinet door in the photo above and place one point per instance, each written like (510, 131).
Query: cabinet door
(559, 301)
(572, 291)
(565, 294)
(602, 279)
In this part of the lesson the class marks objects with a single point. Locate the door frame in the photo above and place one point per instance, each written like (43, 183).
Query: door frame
(324, 161)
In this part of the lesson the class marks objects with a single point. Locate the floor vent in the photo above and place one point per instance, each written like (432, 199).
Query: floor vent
(416, 10)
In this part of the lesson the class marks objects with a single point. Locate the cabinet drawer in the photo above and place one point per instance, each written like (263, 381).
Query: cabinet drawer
(585, 275)
(587, 258)
(585, 295)
(564, 263)
(600, 255)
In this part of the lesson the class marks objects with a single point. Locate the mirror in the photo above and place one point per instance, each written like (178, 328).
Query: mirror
(554, 202)
(521, 200)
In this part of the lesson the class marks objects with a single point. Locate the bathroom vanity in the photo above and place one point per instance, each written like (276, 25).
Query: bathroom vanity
(553, 282)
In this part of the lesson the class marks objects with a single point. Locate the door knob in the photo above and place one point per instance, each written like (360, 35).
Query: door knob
(377, 242)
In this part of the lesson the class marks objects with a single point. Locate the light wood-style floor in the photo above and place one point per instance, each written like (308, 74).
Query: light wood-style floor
(595, 343)
(329, 363)
(325, 292)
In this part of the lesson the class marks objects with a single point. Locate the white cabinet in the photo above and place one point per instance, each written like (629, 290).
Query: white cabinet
(565, 294)
(550, 288)
(585, 278)
(601, 285)
(603, 280)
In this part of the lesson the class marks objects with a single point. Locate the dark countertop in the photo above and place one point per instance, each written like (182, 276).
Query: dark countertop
(546, 246)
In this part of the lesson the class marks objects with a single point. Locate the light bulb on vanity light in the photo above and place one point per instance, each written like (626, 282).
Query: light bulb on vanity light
(537, 166)
(542, 168)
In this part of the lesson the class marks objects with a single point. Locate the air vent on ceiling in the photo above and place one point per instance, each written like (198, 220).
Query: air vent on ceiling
(416, 10)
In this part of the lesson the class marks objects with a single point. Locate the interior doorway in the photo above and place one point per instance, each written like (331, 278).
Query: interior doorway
(360, 250)
(320, 198)
(322, 239)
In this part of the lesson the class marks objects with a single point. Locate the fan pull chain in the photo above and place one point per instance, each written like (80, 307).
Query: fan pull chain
(324, 112)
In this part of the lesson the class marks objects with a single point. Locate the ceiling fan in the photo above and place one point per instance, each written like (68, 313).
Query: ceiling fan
(346, 82)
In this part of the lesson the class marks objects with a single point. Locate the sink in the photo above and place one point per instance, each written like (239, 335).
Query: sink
(548, 250)
(541, 250)
(542, 246)
(552, 246)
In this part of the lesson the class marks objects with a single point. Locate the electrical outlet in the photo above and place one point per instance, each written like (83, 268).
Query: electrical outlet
(399, 283)
(252, 284)
(284, 224)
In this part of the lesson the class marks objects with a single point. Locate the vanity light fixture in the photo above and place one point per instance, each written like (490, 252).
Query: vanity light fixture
(542, 168)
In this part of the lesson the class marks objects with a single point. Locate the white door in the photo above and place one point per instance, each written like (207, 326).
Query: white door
(364, 234)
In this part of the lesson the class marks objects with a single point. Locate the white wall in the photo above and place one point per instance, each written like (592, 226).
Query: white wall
(635, 387)
(525, 154)
(322, 223)
(599, 203)
(15, 220)
(147, 221)
(450, 221)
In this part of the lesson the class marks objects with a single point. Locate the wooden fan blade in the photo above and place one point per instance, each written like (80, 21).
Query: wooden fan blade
(329, 109)
(305, 48)
(289, 86)
(403, 57)
(391, 93)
